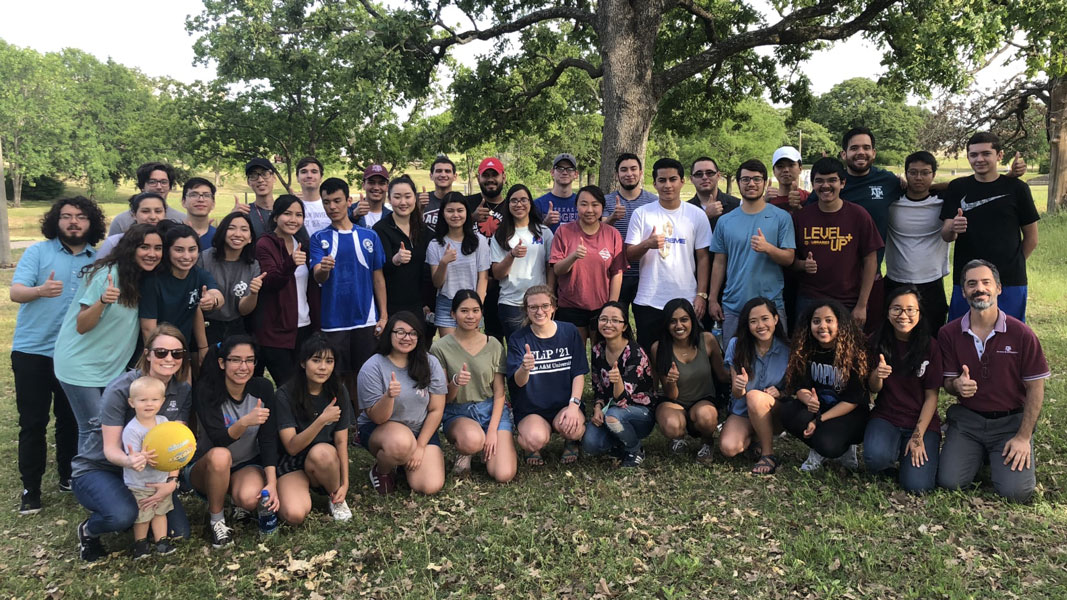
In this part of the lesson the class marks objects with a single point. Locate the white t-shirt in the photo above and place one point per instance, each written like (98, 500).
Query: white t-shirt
(671, 272)
(527, 271)
(372, 218)
(463, 272)
(914, 250)
(315, 217)
(303, 311)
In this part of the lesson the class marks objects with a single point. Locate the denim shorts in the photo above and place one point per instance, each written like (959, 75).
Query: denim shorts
(442, 313)
(479, 412)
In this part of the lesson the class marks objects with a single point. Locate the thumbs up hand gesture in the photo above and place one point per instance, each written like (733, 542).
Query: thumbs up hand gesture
(257, 416)
(740, 383)
(794, 200)
(810, 398)
(552, 217)
(528, 361)
(207, 301)
(519, 250)
(673, 374)
(810, 266)
(299, 256)
(240, 207)
(111, 293)
(402, 256)
(959, 222)
(619, 211)
(581, 250)
(330, 414)
(136, 460)
(655, 240)
(760, 243)
(463, 377)
(256, 284)
(394, 386)
(448, 256)
(362, 205)
(1018, 166)
(883, 369)
(424, 198)
(327, 263)
(965, 386)
(51, 287)
(714, 209)
(614, 375)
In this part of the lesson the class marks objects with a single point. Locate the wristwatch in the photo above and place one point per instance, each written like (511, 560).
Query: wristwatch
(576, 401)
(703, 295)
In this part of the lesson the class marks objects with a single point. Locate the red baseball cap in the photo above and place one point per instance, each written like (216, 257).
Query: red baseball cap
(375, 171)
(491, 163)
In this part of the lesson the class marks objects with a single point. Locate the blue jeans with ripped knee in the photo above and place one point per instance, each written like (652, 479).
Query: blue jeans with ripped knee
(634, 423)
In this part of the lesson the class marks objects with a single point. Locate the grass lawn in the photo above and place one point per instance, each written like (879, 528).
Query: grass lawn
(672, 529)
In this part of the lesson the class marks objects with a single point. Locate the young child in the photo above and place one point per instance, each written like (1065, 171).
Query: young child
(146, 398)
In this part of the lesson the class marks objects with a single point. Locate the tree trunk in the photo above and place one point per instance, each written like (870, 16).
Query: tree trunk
(5, 235)
(1057, 130)
(16, 188)
(218, 171)
(630, 98)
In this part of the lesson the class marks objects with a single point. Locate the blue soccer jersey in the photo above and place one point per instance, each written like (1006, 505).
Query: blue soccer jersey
(348, 293)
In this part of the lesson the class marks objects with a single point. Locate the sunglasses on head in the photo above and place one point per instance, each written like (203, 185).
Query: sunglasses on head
(175, 354)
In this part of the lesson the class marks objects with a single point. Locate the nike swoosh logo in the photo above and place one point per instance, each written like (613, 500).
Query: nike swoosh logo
(967, 206)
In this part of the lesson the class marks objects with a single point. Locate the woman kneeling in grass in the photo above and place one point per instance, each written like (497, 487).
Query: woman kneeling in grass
(314, 414)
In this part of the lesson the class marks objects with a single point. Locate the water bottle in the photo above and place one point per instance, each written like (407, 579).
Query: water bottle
(268, 519)
(716, 330)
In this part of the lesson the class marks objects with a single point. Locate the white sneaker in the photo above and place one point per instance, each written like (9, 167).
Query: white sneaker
(849, 460)
(813, 462)
(678, 445)
(705, 451)
(340, 511)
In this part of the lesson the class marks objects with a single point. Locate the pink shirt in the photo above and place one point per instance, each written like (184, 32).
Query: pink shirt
(587, 284)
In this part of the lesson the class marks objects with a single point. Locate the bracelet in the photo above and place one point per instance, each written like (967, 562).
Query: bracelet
(454, 379)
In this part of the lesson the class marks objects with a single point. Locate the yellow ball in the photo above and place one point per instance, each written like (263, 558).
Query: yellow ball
(173, 443)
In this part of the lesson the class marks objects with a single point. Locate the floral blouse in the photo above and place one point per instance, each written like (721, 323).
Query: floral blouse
(636, 376)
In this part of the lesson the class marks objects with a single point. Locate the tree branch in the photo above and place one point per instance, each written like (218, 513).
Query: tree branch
(538, 16)
(557, 71)
(701, 13)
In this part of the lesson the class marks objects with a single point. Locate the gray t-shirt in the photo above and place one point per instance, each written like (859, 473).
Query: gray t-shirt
(115, 411)
(463, 272)
(233, 277)
(410, 407)
(132, 438)
(260, 218)
(125, 220)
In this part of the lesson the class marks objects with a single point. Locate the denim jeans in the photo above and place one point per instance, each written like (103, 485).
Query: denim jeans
(112, 508)
(85, 402)
(510, 318)
(635, 423)
(884, 445)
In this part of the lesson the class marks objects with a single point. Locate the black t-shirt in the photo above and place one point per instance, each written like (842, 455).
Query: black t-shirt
(828, 381)
(995, 212)
(433, 208)
(496, 212)
(408, 286)
(728, 203)
(293, 416)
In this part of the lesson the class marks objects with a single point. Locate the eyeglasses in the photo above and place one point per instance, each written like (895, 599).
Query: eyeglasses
(897, 310)
(519, 201)
(236, 361)
(261, 175)
(158, 183)
(406, 335)
(78, 217)
(539, 307)
(163, 352)
(756, 179)
(914, 173)
(702, 174)
(610, 321)
(200, 196)
(566, 169)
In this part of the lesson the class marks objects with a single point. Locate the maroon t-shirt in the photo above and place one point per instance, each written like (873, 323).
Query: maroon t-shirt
(1012, 356)
(838, 241)
(782, 202)
(903, 394)
(588, 284)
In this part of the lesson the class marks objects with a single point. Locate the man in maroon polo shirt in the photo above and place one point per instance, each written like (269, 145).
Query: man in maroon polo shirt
(994, 364)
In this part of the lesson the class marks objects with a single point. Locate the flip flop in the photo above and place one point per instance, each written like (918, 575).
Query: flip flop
(533, 459)
(767, 465)
(570, 453)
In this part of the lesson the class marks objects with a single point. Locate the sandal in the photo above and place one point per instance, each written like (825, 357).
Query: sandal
(462, 468)
(533, 459)
(767, 465)
(570, 453)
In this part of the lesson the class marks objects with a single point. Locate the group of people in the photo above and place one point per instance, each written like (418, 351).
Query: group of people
(177, 319)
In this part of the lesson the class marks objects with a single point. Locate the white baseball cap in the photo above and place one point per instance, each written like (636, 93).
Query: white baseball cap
(786, 152)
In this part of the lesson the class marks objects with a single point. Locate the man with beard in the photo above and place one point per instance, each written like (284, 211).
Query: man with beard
(994, 364)
(560, 206)
(837, 246)
(714, 202)
(367, 212)
(443, 174)
(488, 208)
(309, 173)
(994, 218)
(751, 247)
(151, 177)
(261, 177)
(622, 203)
(45, 282)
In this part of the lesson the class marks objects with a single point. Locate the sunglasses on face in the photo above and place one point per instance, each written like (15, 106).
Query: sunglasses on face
(175, 354)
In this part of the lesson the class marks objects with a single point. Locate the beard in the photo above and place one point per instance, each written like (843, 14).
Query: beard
(490, 190)
(73, 240)
(980, 304)
(629, 187)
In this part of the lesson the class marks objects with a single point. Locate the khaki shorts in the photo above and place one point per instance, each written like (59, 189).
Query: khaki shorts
(145, 515)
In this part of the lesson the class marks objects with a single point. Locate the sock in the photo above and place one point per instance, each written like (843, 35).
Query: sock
(216, 517)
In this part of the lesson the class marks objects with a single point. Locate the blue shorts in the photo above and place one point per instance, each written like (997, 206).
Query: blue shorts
(1012, 301)
(366, 429)
(442, 313)
(479, 412)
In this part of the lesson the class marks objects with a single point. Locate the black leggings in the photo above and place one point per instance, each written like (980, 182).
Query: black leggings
(831, 438)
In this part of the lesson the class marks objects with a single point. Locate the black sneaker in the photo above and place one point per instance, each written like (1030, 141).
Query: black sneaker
(633, 459)
(219, 533)
(141, 549)
(240, 515)
(64, 485)
(30, 503)
(163, 546)
(89, 548)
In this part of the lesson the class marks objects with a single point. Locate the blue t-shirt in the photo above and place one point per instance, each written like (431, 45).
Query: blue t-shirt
(168, 299)
(348, 293)
(768, 371)
(559, 359)
(567, 207)
(39, 320)
(205, 240)
(750, 273)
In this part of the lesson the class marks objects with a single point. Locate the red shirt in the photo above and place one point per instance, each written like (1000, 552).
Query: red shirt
(587, 285)
(1012, 356)
(782, 202)
(903, 394)
(838, 241)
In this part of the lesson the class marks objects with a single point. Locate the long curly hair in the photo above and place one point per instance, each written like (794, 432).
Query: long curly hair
(124, 258)
(850, 346)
